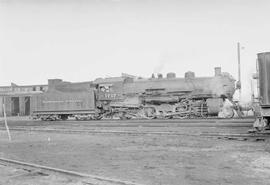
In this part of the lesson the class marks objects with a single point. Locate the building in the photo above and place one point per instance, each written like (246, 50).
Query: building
(16, 99)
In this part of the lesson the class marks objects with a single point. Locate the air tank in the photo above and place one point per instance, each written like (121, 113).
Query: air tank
(264, 77)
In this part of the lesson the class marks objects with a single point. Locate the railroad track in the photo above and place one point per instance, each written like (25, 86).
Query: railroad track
(131, 121)
(86, 178)
(133, 124)
(230, 136)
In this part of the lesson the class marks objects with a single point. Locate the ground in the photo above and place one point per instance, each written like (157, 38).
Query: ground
(187, 158)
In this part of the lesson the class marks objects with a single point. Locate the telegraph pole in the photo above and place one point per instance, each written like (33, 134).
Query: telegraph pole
(6, 125)
(239, 69)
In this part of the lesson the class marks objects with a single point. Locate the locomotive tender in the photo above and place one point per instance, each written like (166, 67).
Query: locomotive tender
(128, 97)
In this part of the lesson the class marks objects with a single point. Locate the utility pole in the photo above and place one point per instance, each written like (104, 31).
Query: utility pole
(6, 125)
(239, 70)
(252, 91)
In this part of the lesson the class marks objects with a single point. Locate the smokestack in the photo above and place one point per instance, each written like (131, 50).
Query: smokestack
(217, 71)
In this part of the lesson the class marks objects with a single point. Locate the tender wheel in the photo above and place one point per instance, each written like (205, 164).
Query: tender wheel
(64, 117)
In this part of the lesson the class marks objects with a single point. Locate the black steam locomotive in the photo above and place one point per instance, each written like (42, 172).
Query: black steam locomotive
(128, 97)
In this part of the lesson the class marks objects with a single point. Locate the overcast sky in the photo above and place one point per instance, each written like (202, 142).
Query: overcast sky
(80, 40)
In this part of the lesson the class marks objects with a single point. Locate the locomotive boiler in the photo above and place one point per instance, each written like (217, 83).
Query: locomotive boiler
(168, 97)
(136, 98)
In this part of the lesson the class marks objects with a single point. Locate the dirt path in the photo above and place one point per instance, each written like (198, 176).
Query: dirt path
(147, 159)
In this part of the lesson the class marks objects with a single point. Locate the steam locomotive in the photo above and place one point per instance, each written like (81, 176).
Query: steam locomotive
(128, 97)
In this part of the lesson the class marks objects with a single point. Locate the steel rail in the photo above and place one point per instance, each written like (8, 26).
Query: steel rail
(138, 132)
(194, 120)
(75, 131)
(67, 172)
